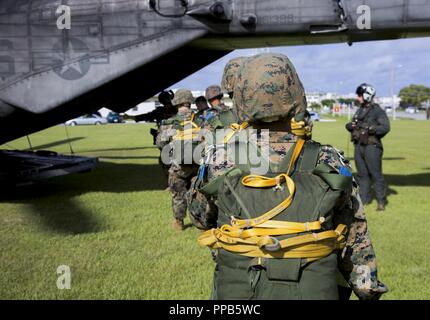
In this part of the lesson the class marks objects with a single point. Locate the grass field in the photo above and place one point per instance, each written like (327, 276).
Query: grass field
(113, 226)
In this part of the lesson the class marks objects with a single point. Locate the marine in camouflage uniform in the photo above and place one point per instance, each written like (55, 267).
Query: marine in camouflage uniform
(229, 77)
(219, 116)
(211, 121)
(202, 109)
(165, 98)
(268, 94)
(180, 175)
(196, 199)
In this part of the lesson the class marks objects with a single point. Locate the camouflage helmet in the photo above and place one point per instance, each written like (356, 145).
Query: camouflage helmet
(230, 74)
(268, 88)
(182, 96)
(213, 92)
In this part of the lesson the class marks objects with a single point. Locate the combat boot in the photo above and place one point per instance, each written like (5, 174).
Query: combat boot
(381, 206)
(178, 225)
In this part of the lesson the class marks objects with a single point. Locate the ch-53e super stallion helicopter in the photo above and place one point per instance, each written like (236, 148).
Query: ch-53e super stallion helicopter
(63, 58)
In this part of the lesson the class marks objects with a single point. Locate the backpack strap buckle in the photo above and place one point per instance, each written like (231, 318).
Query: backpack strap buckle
(275, 246)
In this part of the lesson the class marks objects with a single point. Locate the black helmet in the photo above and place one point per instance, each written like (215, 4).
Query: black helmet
(366, 91)
(165, 97)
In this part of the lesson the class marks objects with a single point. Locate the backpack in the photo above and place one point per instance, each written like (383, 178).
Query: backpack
(281, 223)
(185, 141)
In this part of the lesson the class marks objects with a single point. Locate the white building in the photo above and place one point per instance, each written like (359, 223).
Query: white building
(314, 97)
(388, 101)
(318, 97)
(143, 107)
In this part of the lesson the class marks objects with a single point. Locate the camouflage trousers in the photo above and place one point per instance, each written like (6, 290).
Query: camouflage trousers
(202, 209)
(179, 182)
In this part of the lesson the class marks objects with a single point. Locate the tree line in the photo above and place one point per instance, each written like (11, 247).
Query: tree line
(415, 95)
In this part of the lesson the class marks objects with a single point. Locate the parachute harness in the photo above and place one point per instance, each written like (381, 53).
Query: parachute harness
(191, 131)
(256, 237)
(236, 128)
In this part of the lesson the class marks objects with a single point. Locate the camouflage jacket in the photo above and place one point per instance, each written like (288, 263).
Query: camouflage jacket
(169, 126)
(218, 117)
(357, 261)
(200, 117)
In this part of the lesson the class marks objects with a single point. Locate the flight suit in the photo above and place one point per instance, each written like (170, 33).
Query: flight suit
(180, 175)
(371, 125)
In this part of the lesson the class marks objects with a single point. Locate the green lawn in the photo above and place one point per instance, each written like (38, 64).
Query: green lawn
(113, 226)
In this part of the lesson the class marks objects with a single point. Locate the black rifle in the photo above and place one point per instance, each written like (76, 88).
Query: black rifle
(360, 130)
(159, 114)
(360, 133)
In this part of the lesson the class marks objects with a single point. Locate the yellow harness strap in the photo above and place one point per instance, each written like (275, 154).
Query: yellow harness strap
(255, 237)
(311, 246)
(254, 181)
(186, 122)
(236, 129)
(271, 228)
(188, 134)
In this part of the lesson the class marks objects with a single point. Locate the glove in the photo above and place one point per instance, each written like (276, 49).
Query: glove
(301, 129)
(349, 126)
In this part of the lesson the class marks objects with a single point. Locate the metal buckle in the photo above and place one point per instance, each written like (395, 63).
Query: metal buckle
(273, 247)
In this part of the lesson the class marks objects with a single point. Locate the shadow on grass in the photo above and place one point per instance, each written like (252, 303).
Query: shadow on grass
(124, 177)
(188, 226)
(54, 209)
(66, 216)
(116, 149)
(393, 158)
(391, 191)
(56, 143)
(413, 180)
(127, 157)
(53, 202)
(383, 159)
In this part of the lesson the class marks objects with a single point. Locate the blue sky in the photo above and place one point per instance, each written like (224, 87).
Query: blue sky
(340, 68)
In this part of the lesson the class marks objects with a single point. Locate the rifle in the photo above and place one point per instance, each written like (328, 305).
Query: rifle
(362, 133)
(157, 115)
